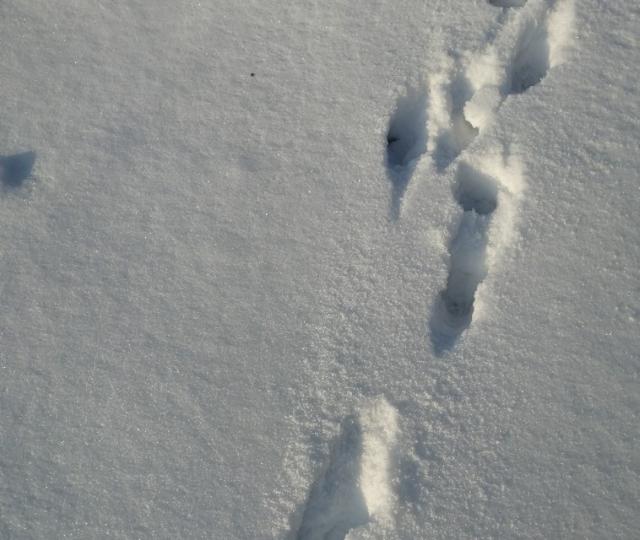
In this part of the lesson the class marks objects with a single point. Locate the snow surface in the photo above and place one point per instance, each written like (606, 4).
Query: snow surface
(319, 270)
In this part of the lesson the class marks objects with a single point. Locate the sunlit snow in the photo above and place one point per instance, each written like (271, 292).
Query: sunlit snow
(319, 270)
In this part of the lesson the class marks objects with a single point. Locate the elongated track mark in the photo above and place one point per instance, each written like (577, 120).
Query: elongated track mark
(540, 46)
(477, 194)
(488, 195)
(531, 61)
(406, 142)
(355, 488)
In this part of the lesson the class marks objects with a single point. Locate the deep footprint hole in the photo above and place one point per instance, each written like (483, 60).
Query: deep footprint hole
(454, 308)
(17, 168)
(477, 194)
(532, 59)
(475, 191)
(468, 269)
(407, 134)
(406, 142)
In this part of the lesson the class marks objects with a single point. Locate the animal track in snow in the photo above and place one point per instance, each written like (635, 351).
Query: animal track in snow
(488, 196)
(477, 194)
(464, 97)
(406, 142)
(354, 490)
(466, 94)
(457, 133)
(540, 44)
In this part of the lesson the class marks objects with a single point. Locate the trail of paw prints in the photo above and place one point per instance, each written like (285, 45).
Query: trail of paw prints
(488, 189)
(461, 100)
(355, 489)
(466, 95)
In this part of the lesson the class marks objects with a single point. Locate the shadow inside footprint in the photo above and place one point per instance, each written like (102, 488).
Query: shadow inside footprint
(406, 142)
(531, 60)
(15, 169)
(477, 194)
(460, 133)
(336, 503)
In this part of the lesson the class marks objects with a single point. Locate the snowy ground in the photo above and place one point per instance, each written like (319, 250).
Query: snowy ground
(319, 270)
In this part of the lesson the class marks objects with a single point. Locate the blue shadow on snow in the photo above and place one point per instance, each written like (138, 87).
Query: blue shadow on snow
(17, 168)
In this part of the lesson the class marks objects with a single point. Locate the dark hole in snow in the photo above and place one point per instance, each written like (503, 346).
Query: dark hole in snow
(406, 142)
(15, 169)
(475, 190)
(531, 61)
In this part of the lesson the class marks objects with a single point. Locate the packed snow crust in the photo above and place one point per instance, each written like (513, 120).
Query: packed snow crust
(319, 270)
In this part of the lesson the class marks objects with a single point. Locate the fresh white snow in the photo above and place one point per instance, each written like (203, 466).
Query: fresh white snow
(319, 270)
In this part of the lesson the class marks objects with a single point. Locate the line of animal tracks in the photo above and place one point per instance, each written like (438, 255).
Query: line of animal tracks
(443, 117)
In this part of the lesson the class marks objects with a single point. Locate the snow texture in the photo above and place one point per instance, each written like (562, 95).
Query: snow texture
(319, 270)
